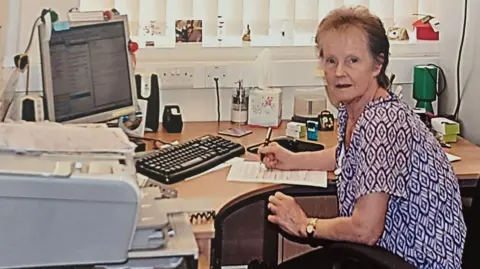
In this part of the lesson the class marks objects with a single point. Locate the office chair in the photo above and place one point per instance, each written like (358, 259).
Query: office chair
(471, 213)
(343, 255)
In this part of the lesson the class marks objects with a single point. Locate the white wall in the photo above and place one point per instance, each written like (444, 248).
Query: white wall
(451, 23)
(294, 67)
(3, 26)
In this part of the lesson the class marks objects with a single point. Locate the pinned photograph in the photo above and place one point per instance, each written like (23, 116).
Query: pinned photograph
(188, 31)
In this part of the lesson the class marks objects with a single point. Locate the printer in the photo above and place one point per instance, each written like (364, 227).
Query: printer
(79, 219)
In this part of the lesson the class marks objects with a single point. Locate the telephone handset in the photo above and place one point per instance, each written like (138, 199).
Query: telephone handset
(293, 145)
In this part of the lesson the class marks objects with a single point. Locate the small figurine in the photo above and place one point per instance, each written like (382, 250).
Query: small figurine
(246, 36)
(396, 33)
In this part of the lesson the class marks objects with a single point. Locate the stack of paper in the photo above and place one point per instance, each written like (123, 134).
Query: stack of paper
(257, 172)
(58, 138)
(220, 166)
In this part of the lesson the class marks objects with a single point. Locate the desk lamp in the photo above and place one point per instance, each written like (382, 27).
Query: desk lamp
(424, 86)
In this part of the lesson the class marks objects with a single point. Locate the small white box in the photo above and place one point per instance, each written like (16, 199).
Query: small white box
(445, 126)
(296, 126)
(294, 134)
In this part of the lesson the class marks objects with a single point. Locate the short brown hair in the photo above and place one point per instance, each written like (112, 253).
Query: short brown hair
(359, 16)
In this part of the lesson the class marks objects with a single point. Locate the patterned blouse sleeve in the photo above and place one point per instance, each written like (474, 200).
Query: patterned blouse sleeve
(383, 153)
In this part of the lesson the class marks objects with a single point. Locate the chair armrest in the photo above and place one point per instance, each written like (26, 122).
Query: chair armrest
(375, 256)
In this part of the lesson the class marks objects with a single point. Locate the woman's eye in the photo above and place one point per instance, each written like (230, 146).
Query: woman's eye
(330, 61)
(354, 60)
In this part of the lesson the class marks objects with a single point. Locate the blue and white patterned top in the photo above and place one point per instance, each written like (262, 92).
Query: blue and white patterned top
(392, 151)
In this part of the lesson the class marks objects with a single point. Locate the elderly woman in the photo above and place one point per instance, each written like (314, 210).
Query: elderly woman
(396, 187)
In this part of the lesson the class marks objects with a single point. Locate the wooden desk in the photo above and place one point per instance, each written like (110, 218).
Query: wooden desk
(223, 193)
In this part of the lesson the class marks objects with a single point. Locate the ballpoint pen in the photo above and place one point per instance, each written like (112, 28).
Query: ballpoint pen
(267, 141)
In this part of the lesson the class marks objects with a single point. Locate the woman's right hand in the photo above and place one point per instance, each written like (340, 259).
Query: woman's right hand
(277, 157)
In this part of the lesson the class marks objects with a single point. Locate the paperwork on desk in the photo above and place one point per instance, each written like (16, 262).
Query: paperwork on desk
(452, 158)
(58, 138)
(218, 167)
(257, 172)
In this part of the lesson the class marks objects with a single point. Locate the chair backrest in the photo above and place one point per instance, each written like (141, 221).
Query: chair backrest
(472, 219)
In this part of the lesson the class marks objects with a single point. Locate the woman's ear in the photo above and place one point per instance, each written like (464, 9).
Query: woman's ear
(378, 64)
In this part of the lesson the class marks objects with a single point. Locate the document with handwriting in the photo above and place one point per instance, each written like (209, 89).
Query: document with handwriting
(257, 172)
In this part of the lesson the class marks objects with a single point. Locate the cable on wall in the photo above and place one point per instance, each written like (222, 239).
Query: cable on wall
(459, 60)
(217, 89)
(22, 60)
(442, 76)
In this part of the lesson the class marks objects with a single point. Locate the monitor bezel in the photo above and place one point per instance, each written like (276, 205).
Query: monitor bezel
(100, 117)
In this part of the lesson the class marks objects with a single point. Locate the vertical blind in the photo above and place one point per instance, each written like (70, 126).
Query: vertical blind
(265, 17)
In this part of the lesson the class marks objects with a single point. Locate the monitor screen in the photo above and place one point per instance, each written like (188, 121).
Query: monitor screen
(87, 73)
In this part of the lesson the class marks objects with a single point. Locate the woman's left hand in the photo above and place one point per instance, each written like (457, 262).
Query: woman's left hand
(287, 214)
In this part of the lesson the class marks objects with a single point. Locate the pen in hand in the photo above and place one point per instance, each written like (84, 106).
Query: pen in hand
(267, 141)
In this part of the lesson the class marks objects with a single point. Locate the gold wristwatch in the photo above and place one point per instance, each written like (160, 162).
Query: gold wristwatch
(311, 226)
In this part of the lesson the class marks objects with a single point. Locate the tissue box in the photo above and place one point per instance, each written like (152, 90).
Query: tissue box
(265, 107)
(448, 128)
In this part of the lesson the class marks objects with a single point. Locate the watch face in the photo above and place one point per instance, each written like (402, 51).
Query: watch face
(309, 229)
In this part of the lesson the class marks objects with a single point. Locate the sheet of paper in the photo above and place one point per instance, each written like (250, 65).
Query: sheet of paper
(453, 158)
(59, 138)
(220, 166)
(257, 172)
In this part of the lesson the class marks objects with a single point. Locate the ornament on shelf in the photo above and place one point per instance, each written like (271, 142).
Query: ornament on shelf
(397, 33)
(133, 48)
(107, 15)
(246, 37)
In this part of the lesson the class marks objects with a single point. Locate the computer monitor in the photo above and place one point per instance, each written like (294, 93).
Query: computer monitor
(87, 71)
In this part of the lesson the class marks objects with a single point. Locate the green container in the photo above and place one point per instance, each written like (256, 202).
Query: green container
(425, 86)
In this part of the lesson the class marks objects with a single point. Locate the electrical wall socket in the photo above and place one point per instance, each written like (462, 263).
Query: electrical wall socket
(216, 71)
(176, 77)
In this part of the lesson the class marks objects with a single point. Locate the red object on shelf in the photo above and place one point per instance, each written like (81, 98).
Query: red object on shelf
(133, 46)
(425, 30)
(108, 15)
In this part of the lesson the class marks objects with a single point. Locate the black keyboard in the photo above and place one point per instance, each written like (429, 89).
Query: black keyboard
(176, 163)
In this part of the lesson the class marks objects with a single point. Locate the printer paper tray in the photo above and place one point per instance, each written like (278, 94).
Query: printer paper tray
(158, 263)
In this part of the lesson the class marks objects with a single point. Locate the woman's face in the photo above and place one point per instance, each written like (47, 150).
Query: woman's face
(349, 68)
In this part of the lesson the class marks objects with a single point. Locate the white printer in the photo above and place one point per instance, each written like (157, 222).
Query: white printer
(57, 209)
(51, 220)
